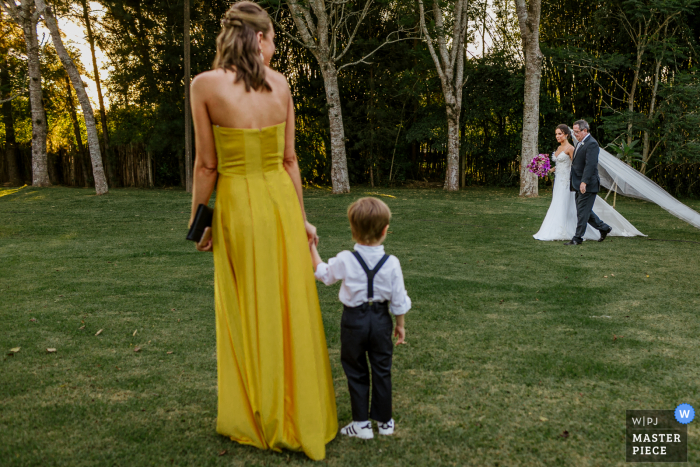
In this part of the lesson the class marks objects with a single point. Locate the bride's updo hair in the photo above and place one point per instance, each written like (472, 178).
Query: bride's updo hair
(564, 128)
(237, 44)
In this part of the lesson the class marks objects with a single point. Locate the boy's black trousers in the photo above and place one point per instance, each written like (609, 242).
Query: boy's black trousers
(365, 331)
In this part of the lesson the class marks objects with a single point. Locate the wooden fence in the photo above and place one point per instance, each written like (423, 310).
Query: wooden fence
(134, 165)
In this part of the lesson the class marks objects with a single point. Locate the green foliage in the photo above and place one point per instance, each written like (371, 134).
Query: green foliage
(60, 136)
(621, 64)
(393, 109)
(144, 42)
(679, 117)
(493, 107)
(626, 152)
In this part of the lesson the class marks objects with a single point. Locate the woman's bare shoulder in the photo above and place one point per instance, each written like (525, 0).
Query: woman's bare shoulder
(209, 77)
(276, 79)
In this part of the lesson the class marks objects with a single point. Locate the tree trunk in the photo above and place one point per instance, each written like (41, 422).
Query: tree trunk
(323, 28)
(188, 110)
(149, 156)
(320, 26)
(93, 138)
(449, 63)
(529, 21)
(144, 45)
(370, 119)
(452, 172)
(76, 132)
(531, 122)
(181, 165)
(646, 152)
(630, 97)
(106, 158)
(40, 174)
(8, 120)
(339, 163)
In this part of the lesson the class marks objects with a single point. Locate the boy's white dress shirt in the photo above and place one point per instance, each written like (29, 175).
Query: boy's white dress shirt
(388, 282)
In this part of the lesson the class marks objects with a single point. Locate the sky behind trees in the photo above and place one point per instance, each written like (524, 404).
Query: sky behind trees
(74, 33)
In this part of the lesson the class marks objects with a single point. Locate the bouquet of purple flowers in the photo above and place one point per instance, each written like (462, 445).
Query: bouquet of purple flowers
(540, 165)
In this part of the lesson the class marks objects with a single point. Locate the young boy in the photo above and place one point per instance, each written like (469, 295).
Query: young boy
(372, 287)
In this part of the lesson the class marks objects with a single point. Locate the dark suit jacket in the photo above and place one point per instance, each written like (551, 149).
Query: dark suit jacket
(584, 167)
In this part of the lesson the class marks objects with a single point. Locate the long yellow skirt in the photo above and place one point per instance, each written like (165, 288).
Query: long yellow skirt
(274, 377)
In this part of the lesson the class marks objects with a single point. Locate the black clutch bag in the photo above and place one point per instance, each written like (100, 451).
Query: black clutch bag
(202, 220)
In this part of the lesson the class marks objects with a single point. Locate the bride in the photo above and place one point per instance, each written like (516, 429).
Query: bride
(560, 221)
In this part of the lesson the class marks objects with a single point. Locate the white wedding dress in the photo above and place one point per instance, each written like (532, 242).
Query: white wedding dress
(560, 221)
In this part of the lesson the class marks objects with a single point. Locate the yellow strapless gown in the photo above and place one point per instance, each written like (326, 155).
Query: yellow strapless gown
(274, 376)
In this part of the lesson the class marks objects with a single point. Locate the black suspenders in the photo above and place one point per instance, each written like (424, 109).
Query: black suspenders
(370, 273)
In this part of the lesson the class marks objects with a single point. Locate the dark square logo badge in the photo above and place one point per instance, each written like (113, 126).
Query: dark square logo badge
(656, 436)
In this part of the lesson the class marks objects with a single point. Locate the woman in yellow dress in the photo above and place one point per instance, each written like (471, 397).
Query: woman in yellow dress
(274, 377)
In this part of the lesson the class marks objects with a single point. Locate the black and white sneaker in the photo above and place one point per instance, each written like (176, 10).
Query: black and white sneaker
(362, 430)
(386, 428)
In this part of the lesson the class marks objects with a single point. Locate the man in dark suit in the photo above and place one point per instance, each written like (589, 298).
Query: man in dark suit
(585, 181)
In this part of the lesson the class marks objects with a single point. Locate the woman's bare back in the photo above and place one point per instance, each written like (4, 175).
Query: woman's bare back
(230, 105)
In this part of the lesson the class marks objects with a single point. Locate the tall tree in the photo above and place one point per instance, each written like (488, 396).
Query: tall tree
(6, 98)
(652, 27)
(328, 29)
(529, 21)
(93, 138)
(188, 110)
(644, 22)
(76, 132)
(646, 45)
(449, 62)
(107, 160)
(26, 16)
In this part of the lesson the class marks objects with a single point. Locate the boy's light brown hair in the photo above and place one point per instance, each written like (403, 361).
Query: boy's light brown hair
(368, 217)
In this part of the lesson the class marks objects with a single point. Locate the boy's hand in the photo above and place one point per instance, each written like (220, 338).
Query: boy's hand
(400, 332)
(315, 257)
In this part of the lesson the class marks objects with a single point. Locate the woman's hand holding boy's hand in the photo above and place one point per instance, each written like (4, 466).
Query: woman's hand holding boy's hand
(311, 233)
(315, 257)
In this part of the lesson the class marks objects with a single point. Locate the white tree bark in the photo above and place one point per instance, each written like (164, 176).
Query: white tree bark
(529, 21)
(107, 160)
(93, 138)
(320, 23)
(449, 62)
(315, 37)
(339, 164)
(26, 17)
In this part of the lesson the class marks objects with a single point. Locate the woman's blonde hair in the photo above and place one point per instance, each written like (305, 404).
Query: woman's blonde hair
(237, 44)
(368, 217)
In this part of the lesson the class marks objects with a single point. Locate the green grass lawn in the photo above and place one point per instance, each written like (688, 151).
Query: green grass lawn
(511, 341)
